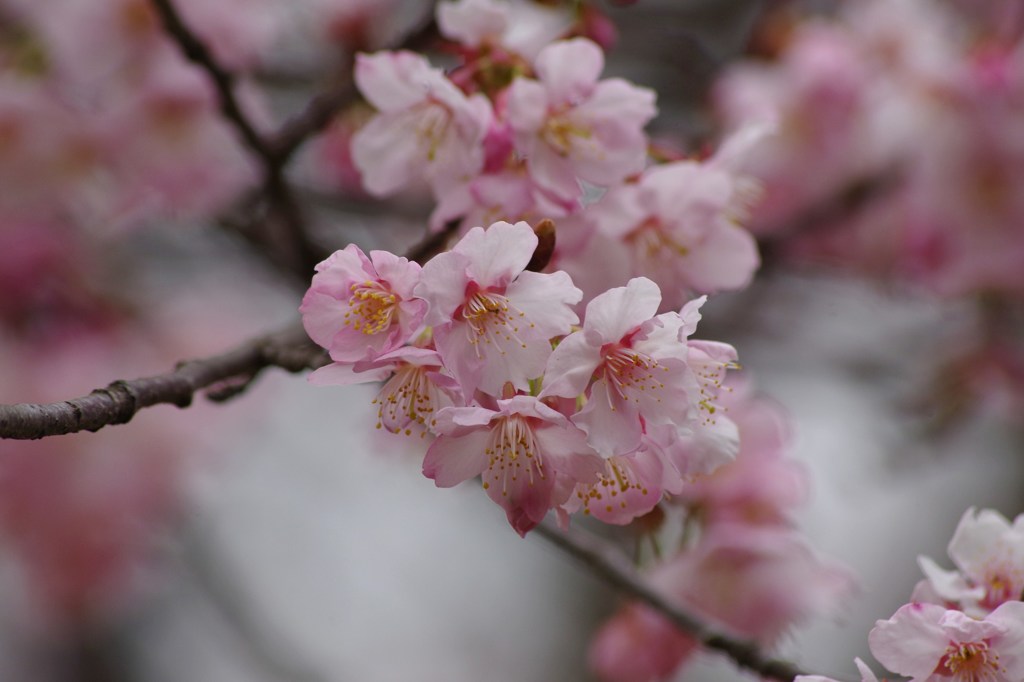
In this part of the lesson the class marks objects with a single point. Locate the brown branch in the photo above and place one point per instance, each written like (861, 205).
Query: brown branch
(224, 81)
(226, 375)
(613, 570)
(280, 199)
(118, 402)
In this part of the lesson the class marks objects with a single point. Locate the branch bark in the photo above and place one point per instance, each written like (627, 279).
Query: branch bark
(121, 400)
(597, 558)
(226, 375)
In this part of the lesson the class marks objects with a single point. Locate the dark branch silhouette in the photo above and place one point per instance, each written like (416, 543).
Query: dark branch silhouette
(598, 558)
(121, 400)
(226, 375)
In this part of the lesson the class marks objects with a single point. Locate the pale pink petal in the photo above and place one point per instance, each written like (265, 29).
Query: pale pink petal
(442, 285)
(691, 316)
(546, 299)
(323, 315)
(979, 537)
(1010, 618)
(450, 421)
(570, 367)
(343, 374)
(387, 151)
(450, 460)
(620, 310)
(526, 106)
(499, 253)
(399, 272)
(911, 642)
(726, 260)
(392, 81)
(552, 171)
(569, 69)
(472, 22)
(948, 585)
(638, 645)
(611, 424)
(630, 487)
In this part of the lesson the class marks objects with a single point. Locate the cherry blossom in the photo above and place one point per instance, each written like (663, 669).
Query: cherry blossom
(414, 389)
(359, 307)
(989, 554)
(569, 126)
(628, 486)
(757, 582)
(493, 322)
(516, 25)
(522, 448)
(761, 486)
(426, 126)
(638, 645)
(679, 225)
(631, 364)
(930, 644)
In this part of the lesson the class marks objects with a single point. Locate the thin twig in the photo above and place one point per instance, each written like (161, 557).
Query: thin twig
(280, 199)
(610, 568)
(196, 51)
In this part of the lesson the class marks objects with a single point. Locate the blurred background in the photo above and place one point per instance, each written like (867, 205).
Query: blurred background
(278, 536)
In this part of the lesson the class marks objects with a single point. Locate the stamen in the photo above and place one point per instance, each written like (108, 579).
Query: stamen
(971, 662)
(407, 398)
(512, 452)
(629, 372)
(490, 318)
(371, 307)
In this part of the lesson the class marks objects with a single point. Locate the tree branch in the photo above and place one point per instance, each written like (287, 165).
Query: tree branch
(616, 572)
(224, 81)
(280, 199)
(227, 375)
(121, 400)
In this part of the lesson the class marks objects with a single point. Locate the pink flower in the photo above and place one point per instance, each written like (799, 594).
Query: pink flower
(493, 322)
(522, 449)
(414, 391)
(762, 486)
(628, 486)
(568, 125)
(754, 582)
(426, 126)
(678, 222)
(989, 554)
(638, 645)
(358, 307)
(510, 194)
(757, 581)
(630, 363)
(930, 644)
(522, 27)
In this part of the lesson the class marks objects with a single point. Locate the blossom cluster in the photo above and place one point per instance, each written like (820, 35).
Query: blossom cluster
(898, 148)
(490, 359)
(525, 128)
(919, 98)
(963, 625)
(742, 564)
